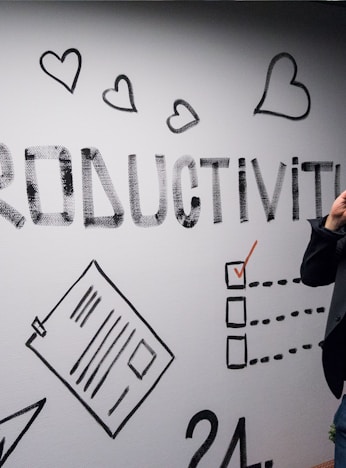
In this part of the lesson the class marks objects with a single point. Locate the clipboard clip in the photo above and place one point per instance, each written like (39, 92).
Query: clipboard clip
(37, 325)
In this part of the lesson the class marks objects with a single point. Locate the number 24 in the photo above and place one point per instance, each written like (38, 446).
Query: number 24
(238, 435)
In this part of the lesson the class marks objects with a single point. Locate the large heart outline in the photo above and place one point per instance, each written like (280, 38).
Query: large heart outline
(293, 82)
(62, 59)
(196, 119)
(119, 78)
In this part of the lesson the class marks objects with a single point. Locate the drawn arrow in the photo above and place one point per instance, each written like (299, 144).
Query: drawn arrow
(15, 427)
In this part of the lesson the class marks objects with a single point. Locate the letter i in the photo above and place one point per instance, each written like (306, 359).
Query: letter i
(295, 190)
(242, 184)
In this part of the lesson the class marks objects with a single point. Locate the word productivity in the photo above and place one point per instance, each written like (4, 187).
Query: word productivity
(93, 164)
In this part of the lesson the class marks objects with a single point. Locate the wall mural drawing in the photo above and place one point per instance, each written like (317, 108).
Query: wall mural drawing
(124, 88)
(179, 121)
(238, 437)
(65, 69)
(290, 83)
(14, 427)
(134, 142)
(8, 211)
(63, 157)
(238, 313)
(114, 359)
(93, 159)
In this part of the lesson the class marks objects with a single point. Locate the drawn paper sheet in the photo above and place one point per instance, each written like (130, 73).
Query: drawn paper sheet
(101, 348)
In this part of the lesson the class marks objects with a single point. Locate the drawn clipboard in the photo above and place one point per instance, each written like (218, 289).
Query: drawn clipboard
(101, 349)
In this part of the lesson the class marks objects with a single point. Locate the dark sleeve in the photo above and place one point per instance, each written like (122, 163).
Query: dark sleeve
(321, 256)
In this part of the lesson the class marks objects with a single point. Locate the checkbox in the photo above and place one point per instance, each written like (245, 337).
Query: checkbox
(236, 312)
(236, 353)
(231, 278)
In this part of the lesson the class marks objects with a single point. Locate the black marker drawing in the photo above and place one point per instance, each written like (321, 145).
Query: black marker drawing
(111, 95)
(317, 167)
(242, 188)
(278, 318)
(214, 424)
(135, 203)
(6, 178)
(280, 356)
(239, 436)
(290, 83)
(14, 427)
(267, 284)
(62, 155)
(216, 164)
(237, 347)
(57, 68)
(191, 219)
(91, 157)
(269, 206)
(179, 128)
(111, 359)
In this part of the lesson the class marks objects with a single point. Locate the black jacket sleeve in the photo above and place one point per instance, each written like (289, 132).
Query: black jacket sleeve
(321, 256)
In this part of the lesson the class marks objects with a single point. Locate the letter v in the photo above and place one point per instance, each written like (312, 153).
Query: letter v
(269, 206)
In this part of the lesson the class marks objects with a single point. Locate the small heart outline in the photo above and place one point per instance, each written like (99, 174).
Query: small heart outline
(62, 59)
(293, 82)
(195, 121)
(116, 89)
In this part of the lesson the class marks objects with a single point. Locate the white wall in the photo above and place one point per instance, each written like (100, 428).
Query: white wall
(174, 284)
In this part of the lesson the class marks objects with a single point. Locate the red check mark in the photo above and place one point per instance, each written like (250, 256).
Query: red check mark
(241, 272)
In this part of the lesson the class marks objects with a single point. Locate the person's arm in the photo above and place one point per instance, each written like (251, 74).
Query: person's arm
(320, 260)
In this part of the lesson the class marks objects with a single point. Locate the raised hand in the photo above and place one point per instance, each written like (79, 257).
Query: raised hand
(337, 213)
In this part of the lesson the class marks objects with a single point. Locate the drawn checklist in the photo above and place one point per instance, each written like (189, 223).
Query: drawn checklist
(238, 349)
(101, 349)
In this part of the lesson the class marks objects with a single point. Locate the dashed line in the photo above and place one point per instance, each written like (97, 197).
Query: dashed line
(281, 318)
(268, 284)
(279, 357)
(307, 346)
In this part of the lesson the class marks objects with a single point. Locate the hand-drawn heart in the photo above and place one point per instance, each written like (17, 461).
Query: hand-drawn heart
(69, 53)
(181, 102)
(108, 93)
(259, 108)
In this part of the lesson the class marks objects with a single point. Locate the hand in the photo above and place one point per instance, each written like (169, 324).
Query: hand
(337, 214)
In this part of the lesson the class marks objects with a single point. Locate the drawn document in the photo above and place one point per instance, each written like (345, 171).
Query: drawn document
(101, 348)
